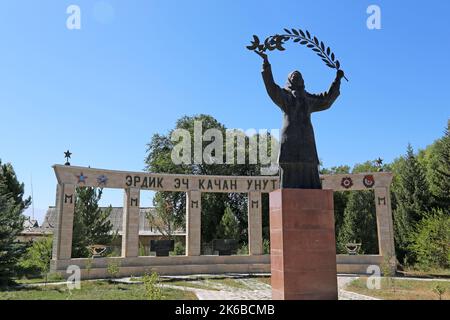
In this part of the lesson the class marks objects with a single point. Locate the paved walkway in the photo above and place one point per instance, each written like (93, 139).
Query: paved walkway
(253, 289)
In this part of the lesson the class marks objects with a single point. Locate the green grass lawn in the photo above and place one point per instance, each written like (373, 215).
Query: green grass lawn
(38, 280)
(190, 284)
(431, 273)
(401, 289)
(265, 280)
(95, 290)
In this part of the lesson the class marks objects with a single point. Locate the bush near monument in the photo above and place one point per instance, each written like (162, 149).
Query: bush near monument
(36, 260)
(431, 241)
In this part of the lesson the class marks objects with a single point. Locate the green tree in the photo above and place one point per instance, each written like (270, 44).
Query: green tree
(436, 159)
(359, 223)
(335, 170)
(166, 218)
(431, 242)
(91, 223)
(12, 186)
(11, 224)
(229, 226)
(159, 160)
(412, 201)
(340, 203)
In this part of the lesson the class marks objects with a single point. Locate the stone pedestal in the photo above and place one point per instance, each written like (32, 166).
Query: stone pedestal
(302, 245)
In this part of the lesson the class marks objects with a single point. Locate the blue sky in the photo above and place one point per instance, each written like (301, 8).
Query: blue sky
(135, 67)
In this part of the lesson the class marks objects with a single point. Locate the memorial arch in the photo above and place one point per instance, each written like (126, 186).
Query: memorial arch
(70, 177)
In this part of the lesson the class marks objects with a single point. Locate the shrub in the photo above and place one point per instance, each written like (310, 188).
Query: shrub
(266, 246)
(439, 290)
(37, 257)
(179, 249)
(243, 250)
(88, 266)
(56, 276)
(431, 241)
(388, 272)
(113, 269)
(152, 286)
(142, 249)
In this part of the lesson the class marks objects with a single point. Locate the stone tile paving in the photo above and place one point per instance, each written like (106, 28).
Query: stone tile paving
(257, 290)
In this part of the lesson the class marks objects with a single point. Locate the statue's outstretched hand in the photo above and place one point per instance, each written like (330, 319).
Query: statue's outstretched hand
(340, 74)
(262, 55)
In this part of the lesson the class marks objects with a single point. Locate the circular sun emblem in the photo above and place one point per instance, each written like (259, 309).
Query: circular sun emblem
(347, 182)
(369, 181)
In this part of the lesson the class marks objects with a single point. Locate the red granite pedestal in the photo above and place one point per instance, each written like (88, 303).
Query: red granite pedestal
(302, 245)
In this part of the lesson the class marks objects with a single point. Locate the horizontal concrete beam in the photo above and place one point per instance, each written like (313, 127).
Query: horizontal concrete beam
(359, 259)
(185, 265)
(90, 177)
(163, 182)
(150, 261)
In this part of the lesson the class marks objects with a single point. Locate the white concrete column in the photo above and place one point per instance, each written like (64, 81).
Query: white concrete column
(62, 236)
(130, 225)
(385, 226)
(255, 245)
(193, 223)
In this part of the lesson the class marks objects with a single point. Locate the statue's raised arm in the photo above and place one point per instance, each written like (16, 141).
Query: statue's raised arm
(320, 102)
(273, 90)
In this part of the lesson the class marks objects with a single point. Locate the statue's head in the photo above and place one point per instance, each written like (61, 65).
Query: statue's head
(295, 81)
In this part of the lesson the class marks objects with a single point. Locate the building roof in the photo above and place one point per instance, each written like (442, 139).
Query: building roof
(145, 229)
(30, 223)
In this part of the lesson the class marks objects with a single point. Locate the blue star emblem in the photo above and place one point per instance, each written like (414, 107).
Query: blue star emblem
(102, 180)
(82, 178)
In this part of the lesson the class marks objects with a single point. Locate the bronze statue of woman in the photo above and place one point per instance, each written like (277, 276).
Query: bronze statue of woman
(298, 160)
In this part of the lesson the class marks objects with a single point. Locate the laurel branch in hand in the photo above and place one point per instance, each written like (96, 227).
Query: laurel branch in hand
(277, 41)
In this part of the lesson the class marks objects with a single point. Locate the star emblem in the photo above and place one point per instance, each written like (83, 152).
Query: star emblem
(347, 182)
(82, 178)
(379, 164)
(369, 181)
(102, 180)
(67, 155)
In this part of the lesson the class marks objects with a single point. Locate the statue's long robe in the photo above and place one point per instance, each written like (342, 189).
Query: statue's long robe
(298, 153)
